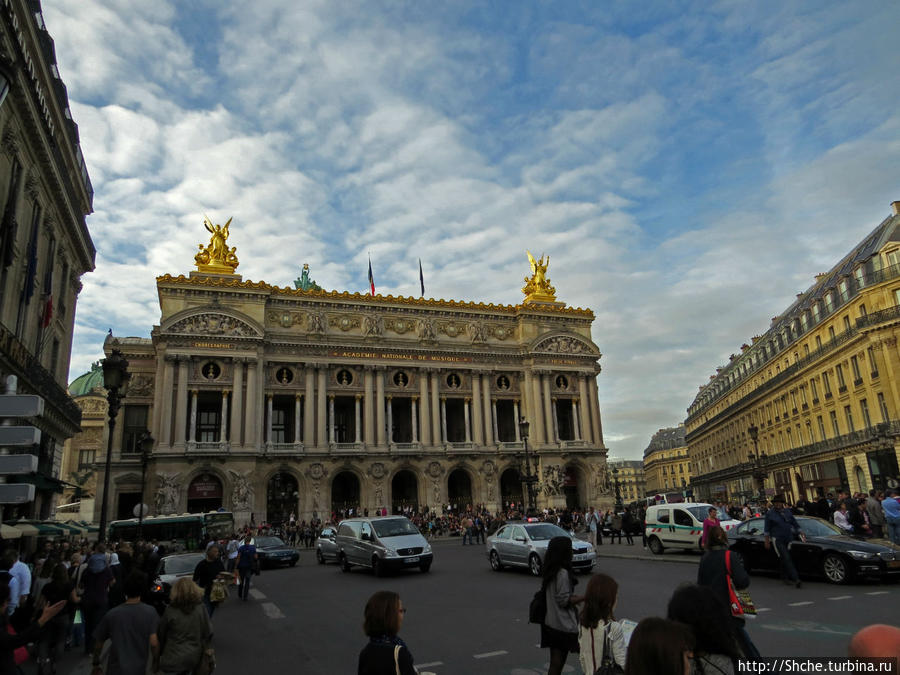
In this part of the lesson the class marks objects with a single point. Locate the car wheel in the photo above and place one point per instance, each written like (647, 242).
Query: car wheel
(377, 566)
(424, 567)
(496, 565)
(655, 545)
(836, 569)
(534, 564)
(345, 565)
(320, 557)
(293, 563)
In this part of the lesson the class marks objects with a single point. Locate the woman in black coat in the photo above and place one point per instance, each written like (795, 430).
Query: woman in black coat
(713, 572)
(9, 643)
(386, 653)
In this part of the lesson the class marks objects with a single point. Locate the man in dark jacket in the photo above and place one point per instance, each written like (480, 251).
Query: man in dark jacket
(782, 527)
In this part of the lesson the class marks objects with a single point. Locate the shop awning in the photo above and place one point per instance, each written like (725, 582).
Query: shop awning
(9, 532)
(69, 528)
(26, 529)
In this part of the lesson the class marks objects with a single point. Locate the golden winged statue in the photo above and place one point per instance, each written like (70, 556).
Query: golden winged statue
(216, 257)
(537, 286)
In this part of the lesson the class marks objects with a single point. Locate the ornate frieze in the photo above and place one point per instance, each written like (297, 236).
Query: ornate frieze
(345, 322)
(563, 345)
(209, 323)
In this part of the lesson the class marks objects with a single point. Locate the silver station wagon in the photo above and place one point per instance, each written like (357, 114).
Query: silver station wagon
(525, 544)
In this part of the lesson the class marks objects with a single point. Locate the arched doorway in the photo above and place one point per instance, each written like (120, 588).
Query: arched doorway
(404, 492)
(345, 493)
(459, 489)
(571, 487)
(511, 489)
(204, 494)
(281, 498)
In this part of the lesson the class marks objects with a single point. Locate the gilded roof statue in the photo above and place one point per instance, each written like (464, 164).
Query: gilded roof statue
(537, 288)
(216, 258)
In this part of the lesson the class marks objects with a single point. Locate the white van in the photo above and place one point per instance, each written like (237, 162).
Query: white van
(383, 543)
(679, 526)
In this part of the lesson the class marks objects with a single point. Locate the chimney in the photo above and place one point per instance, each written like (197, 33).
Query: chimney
(895, 206)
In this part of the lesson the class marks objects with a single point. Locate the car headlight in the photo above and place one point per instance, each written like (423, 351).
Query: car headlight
(862, 555)
(427, 548)
(390, 553)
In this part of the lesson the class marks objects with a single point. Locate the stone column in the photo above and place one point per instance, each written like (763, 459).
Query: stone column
(468, 434)
(250, 406)
(585, 410)
(490, 426)
(192, 432)
(528, 402)
(575, 425)
(438, 421)
(356, 424)
(443, 419)
(554, 409)
(516, 421)
(223, 427)
(425, 433)
(537, 411)
(237, 400)
(321, 437)
(331, 419)
(162, 398)
(379, 407)
(596, 426)
(549, 418)
(415, 422)
(369, 407)
(269, 401)
(390, 419)
(181, 401)
(259, 405)
(309, 411)
(494, 420)
(297, 436)
(477, 425)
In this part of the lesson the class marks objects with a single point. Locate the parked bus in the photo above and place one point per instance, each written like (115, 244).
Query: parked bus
(185, 532)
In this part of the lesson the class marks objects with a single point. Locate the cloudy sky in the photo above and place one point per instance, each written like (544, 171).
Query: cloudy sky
(687, 166)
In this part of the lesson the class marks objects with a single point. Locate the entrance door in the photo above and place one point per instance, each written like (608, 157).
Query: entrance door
(127, 502)
(281, 498)
(345, 493)
(459, 489)
(404, 492)
(511, 489)
(570, 488)
(204, 494)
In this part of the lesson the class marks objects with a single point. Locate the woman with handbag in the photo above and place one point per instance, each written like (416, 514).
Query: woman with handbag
(559, 631)
(715, 646)
(386, 653)
(185, 631)
(714, 572)
(601, 641)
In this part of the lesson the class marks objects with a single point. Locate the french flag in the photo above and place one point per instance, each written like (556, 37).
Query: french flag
(371, 278)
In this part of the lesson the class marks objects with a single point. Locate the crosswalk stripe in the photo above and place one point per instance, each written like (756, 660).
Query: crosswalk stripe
(800, 604)
(271, 610)
(488, 655)
(429, 665)
(877, 592)
(257, 595)
(841, 597)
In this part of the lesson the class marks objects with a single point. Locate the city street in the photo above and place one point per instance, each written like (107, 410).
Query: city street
(464, 618)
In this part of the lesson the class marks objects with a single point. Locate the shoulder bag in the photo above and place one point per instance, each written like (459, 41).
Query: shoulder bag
(537, 610)
(219, 591)
(207, 662)
(608, 665)
(397, 658)
(742, 605)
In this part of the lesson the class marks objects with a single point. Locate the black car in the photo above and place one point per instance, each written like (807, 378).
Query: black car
(826, 552)
(171, 568)
(273, 552)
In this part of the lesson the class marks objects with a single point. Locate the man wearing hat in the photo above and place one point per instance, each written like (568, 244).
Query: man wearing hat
(782, 527)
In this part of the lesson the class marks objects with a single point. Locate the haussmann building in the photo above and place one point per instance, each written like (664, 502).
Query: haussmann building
(269, 401)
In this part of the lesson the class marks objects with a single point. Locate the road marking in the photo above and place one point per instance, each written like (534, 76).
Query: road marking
(800, 604)
(840, 597)
(271, 610)
(763, 609)
(257, 595)
(877, 592)
(429, 665)
(488, 655)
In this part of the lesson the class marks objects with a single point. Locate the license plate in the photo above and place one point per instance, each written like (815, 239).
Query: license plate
(581, 556)
(410, 561)
(894, 563)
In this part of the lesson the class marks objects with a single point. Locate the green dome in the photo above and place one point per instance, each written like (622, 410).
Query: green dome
(85, 384)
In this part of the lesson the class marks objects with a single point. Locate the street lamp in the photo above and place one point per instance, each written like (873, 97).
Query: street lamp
(146, 448)
(759, 473)
(115, 375)
(529, 479)
(619, 506)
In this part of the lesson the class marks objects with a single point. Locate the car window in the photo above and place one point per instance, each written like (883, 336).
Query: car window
(394, 527)
(327, 532)
(503, 533)
(349, 530)
(181, 564)
(699, 512)
(682, 517)
(269, 541)
(518, 532)
(545, 531)
(366, 532)
(813, 527)
(751, 527)
(662, 516)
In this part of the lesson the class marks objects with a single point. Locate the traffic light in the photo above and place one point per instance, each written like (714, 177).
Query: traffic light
(18, 436)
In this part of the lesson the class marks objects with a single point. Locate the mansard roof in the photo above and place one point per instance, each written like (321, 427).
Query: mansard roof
(666, 439)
